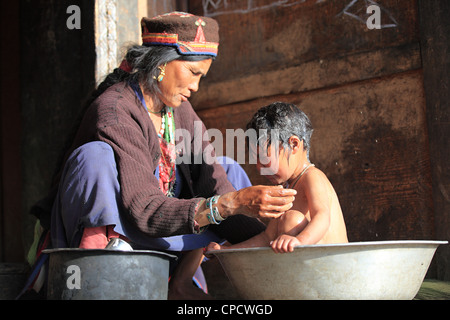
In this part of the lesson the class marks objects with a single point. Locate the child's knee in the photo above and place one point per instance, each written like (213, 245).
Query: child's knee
(292, 222)
(292, 217)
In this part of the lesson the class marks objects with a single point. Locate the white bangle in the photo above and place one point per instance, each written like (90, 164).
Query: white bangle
(213, 216)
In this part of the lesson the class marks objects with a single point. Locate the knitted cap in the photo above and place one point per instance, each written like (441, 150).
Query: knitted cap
(190, 34)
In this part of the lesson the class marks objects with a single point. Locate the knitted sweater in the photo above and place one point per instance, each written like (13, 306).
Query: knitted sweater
(118, 118)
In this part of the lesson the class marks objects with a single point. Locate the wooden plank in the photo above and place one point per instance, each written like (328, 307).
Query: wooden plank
(435, 43)
(53, 95)
(308, 76)
(274, 47)
(11, 248)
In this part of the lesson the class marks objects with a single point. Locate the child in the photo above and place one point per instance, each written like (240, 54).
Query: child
(316, 216)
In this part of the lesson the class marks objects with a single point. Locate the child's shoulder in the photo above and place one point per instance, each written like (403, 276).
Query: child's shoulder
(315, 175)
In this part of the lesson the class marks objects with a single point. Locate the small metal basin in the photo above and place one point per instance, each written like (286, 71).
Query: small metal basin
(102, 274)
(359, 270)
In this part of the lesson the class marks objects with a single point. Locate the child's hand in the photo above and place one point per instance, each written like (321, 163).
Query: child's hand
(285, 243)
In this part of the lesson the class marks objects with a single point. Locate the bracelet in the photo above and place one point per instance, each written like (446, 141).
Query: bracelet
(213, 216)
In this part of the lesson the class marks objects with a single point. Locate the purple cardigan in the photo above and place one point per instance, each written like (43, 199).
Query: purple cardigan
(118, 118)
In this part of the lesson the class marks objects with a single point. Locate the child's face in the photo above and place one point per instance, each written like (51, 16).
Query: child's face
(274, 164)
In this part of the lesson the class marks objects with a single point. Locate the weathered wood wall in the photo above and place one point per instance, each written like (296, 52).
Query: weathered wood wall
(278, 47)
(57, 74)
(10, 126)
(435, 45)
(362, 88)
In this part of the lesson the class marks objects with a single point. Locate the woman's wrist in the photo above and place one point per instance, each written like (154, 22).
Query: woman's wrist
(200, 217)
(214, 210)
(214, 216)
(210, 211)
(225, 204)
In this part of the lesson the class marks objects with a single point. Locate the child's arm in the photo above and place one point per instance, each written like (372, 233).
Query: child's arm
(316, 189)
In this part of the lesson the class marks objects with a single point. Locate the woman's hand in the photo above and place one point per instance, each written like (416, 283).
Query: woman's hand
(257, 201)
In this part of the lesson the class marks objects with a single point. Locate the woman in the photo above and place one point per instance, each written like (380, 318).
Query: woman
(122, 178)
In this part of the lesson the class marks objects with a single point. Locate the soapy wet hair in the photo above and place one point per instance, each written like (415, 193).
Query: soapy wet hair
(279, 121)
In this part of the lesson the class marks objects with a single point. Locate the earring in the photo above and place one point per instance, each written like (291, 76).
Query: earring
(162, 73)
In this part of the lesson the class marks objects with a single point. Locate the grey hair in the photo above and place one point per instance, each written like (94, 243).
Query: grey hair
(144, 62)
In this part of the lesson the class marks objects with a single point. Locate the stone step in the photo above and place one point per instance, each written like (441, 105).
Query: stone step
(12, 279)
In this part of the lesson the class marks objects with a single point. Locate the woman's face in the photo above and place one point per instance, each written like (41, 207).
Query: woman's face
(181, 79)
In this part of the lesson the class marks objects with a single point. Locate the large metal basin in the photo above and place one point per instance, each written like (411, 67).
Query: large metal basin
(358, 270)
(101, 274)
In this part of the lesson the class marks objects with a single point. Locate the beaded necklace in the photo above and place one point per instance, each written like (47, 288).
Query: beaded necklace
(166, 135)
(167, 125)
